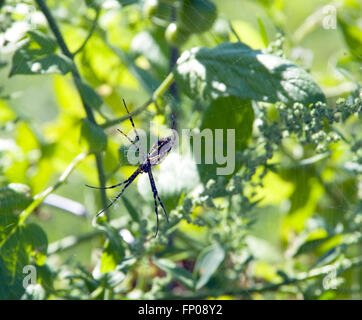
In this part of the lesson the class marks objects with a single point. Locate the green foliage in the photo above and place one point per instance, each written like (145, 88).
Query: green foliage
(176, 272)
(89, 96)
(207, 263)
(93, 136)
(196, 16)
(287, 217)
(14, 198)
(234, 69)
(225, 113)
(36, 56)
(18, 244)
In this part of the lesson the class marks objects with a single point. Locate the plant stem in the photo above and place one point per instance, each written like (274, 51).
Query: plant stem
(90, 33)
(163, 86)
(42, 195)
(156, 94)
(113, 122)
(340, 267)
(77, 80)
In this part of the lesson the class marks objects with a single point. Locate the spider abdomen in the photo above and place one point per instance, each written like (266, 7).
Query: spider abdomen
(160, 150)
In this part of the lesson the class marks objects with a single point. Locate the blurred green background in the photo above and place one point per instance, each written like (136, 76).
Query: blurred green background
(302, 213)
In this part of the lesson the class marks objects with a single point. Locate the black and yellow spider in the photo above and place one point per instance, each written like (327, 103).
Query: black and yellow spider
(157, 153)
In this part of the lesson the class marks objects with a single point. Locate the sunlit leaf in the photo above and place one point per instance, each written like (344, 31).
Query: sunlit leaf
(207, 263)
(93, 136)
(27, 62)
(89, 96)
(15, 251)
(14, 198)
(113, 251)
(234, 69)
(178, 273)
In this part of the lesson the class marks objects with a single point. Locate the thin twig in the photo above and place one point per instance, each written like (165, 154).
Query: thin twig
(156, 94)
(340, 267)
(38, 199)
(77, 80)
(90, 33)
(234, 31)
(135, 112)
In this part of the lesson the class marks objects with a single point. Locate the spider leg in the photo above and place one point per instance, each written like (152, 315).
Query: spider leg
(155, 195)
(126, 182)
(128, 138)
(115, 199)
(164, 210)
(110, 187)
(135, 142)
(135, 130)
(156, 210)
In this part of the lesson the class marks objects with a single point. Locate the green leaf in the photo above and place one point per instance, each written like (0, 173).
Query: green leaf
(14, 198)
(178, 273)
(26, 61)
(89, 96)
(310, 245)
(146, 80)
(352, 36)
(234, 69)
(47, 44)
(263, 33)
(330, 256)
(124, 3)
(36, 243)
(113, 250)
(153, 46)
(37, 56)
(226, 113)
(7, 223)
(207, 263)
(94, 4)
(93, 136)
(16, 247)
(111, 256)
(131, 209)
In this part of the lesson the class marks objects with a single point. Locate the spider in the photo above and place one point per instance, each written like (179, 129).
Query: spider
(155, 156)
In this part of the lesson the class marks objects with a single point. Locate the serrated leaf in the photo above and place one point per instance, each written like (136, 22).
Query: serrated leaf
(37, 56)
(113, 251)
(89, 96)
(36, 242)
(234, 69)
(14, 198)
(26, 61)
(93, 136)
(207, 263)
(7, 223)
(47, 44)
(15, 251)
(178, 273)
